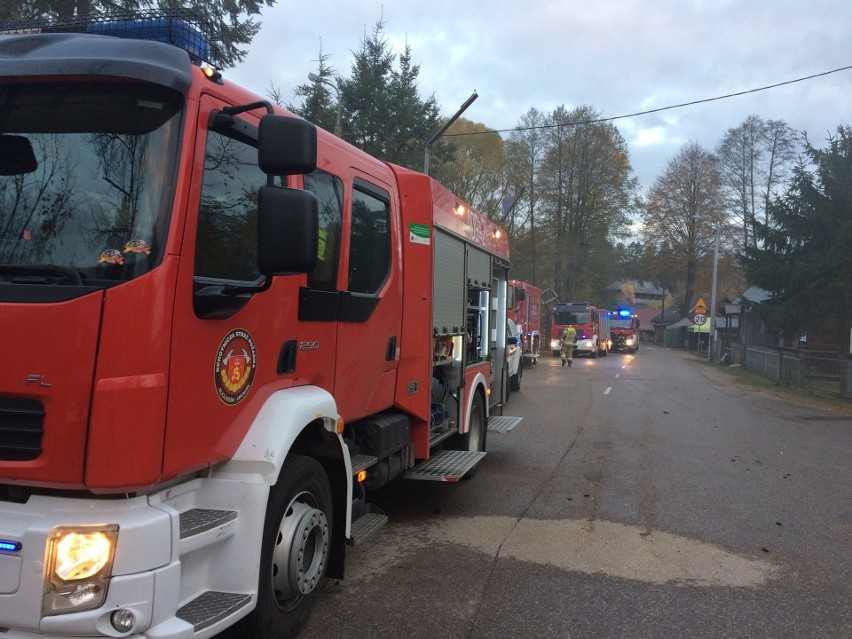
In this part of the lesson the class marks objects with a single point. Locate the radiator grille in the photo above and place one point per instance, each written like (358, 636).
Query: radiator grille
(21, 429)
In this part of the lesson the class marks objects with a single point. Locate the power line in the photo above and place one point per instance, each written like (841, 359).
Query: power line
(657, 110)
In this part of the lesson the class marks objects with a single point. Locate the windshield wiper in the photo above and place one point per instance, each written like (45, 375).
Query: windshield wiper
(39, 273)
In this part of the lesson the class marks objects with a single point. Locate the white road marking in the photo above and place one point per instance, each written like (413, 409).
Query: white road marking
(608, 389)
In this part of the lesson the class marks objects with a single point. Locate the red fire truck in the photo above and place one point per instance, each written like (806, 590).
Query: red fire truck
(591, 324)
(624, 329)
(525, 310)
(223, 328)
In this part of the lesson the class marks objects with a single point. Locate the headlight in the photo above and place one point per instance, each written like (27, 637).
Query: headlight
(555, 345)
(79, 567)
(629, 341)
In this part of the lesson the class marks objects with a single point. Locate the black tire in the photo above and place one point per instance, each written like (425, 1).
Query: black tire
(295, 551)
(474, 438)
(515, 380)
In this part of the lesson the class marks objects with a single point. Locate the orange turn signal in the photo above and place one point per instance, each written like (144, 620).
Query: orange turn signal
(361, 476)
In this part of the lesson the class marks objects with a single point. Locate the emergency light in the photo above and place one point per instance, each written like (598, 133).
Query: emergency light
(623, 312)
(182, 28)
(9, 546)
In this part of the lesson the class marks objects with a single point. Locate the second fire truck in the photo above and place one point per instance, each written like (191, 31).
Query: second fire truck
(525, 310)
(590, 322)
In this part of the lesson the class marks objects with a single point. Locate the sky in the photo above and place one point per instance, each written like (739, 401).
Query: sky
(620, 57)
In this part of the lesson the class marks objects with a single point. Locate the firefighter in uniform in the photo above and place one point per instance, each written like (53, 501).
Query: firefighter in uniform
(567, 345)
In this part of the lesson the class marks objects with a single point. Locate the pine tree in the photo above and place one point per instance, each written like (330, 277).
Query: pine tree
(804, 257)
(382, 110)
(320, 98)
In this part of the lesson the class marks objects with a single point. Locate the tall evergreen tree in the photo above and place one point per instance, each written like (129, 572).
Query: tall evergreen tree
(382, 110)
(320, 98)
(413, 119)
(366, 94)
(804, 257)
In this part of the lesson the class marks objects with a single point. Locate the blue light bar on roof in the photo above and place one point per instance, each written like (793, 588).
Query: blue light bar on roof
(168, 30)
(623, 312)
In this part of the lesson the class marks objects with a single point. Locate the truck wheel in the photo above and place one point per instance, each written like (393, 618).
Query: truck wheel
(515, 380)
(474, 438)
(555, 353)
(294, 556)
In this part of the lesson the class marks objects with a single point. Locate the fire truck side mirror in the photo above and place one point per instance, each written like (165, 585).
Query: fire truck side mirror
(287, 231)
(286, 145)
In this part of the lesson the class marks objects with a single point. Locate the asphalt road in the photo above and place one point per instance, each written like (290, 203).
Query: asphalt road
(638, 498)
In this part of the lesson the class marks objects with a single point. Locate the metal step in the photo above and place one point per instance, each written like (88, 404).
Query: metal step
(366, 526)
(362, 462)
(503, 423)
(446, 465)
(199, 520)
(211, 607)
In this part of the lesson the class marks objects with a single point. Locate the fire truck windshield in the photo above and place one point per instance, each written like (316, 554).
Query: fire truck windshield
(571, 317)
(620, 322)
(86, 178)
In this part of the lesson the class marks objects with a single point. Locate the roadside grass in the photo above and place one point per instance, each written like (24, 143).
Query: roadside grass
(824, 398)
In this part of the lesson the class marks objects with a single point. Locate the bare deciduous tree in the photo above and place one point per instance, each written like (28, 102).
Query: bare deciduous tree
(684, 208)
(754, 161)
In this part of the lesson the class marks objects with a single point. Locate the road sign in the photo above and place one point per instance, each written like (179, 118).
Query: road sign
(699, 318)
(700, 307)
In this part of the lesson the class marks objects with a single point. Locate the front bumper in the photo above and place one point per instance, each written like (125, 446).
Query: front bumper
(584, 346)
(145, 572)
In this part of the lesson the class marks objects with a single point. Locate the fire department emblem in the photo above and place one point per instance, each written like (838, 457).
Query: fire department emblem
(236, 362)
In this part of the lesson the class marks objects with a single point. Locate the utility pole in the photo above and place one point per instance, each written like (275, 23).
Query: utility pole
(444, 128)
(713, 297)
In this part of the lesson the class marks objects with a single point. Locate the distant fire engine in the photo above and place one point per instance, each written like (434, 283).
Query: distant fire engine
(624, 329)
(591, 324)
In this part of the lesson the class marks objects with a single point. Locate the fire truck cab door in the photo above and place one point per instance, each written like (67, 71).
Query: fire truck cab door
(370, 314)
(224, 347)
